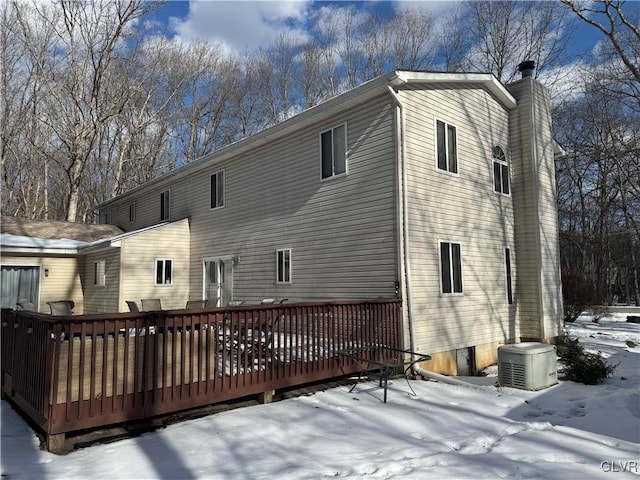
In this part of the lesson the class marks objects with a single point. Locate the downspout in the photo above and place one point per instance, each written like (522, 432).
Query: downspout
(403, 226)
(403, 222)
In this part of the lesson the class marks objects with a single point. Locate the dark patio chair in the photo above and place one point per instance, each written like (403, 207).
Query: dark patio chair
(151, 304)
(133, 306)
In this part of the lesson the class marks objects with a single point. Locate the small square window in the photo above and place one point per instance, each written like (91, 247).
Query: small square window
(132, 212)
(164, 272)
(283, 266)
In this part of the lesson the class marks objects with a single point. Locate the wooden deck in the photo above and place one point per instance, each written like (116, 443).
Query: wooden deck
(72, 373)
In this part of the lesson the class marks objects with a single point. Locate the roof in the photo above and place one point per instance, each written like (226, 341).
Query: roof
(373, 88)
(23, 235)
(56, 230)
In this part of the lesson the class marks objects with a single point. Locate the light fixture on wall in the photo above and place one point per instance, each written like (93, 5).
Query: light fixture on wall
(46, 272)
(236, 260)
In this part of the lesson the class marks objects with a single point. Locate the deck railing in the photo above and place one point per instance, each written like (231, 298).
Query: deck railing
(70, 373)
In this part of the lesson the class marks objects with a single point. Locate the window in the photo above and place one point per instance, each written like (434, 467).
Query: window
(217, 190)
(450, 268)
(132, 212)
(507, 266)
(333, 144)
(99, 273)
(284, 266)
(165, 205)
(446, 147)
(163, 271)
(107, 218)
(500, 171)
(19, 284)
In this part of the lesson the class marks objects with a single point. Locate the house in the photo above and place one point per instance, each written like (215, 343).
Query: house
(41, 263)
(438, 188)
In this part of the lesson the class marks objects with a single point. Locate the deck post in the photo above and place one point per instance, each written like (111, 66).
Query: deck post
(266, 397)
(57, 444)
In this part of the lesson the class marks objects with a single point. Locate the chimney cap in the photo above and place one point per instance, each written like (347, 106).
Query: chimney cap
(526, 68)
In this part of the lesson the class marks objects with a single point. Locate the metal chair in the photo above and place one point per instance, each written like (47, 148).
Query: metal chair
(191, 304)
(133, 306)
(28, 306)
(62, 307)
(151, 304)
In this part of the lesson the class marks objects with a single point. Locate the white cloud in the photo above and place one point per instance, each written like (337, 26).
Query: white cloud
(242, 25)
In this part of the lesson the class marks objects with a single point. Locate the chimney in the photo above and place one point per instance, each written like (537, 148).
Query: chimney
(526, 68)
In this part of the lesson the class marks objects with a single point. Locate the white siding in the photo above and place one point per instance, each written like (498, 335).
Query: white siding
(460, 208)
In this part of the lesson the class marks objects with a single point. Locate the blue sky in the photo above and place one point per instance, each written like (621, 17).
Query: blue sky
(251, 24)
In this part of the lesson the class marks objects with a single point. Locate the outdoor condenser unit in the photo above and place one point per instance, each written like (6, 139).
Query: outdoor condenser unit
(528, 366)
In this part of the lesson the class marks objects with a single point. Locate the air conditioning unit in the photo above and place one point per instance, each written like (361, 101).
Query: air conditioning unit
(528, 366)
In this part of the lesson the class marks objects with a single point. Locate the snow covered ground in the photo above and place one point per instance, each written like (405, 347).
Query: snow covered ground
(445, 432)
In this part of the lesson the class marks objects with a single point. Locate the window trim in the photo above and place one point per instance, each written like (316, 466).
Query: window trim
(215, 174)
(447, 152)
(333, 163)
(503, 164)
(452, 269)
(286, 267)
(165, 205)
(98, 279)
(164, 273)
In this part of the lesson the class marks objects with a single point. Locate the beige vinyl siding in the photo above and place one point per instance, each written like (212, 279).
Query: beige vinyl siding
(341, 231)
(101, 298)
(138, 256)
(62, 283)
(538, 237)
(536, 222)
(459, 208)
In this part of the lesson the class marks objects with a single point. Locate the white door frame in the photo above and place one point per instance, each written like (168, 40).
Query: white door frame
(218, 261)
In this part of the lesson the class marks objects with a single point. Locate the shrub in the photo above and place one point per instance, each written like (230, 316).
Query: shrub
(578, 293)
(581, 366)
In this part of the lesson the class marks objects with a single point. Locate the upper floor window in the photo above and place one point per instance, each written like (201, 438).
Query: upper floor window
(99, 272)
(132, 212)
(107, 218)
(450, 268)
(217, 189)
(446, 147)
(333, 145)
(165, 205)
(164, 271)
(283, 258)
(500, 171)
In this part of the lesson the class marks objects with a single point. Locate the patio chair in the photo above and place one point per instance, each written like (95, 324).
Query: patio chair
(28, 306)
(191, 304)
(133, 306)
(268, 301)
(151, 304)
(235, 303)
(60, 308)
